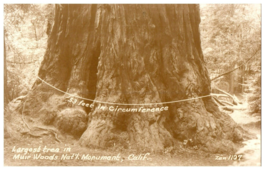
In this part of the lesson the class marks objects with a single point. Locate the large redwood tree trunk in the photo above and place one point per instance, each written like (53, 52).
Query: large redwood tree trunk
(129, 54)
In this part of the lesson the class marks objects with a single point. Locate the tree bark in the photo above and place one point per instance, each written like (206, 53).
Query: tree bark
(6, 95)
(129, 54)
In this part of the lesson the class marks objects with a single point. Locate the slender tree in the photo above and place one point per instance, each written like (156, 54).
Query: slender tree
(5, 75)
(134, 56)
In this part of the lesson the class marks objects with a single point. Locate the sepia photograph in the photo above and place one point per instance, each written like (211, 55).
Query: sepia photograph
(132, 84)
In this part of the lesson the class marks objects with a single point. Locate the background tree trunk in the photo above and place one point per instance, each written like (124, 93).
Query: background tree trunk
(130, 54)
(6, 98)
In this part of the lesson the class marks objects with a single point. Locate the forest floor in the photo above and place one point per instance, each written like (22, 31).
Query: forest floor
(185, 156)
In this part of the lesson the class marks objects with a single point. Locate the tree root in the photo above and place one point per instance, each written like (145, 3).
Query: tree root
(46, 131)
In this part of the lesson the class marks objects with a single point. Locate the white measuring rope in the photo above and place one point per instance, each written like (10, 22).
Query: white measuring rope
(71, 95)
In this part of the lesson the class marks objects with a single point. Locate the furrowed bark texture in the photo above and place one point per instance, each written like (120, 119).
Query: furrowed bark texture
(130, 54)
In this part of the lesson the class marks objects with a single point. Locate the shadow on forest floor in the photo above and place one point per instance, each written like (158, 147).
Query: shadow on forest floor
(183, 157)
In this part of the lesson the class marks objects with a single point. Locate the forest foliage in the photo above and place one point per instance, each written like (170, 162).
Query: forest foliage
(230, 34)
(25, 31)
